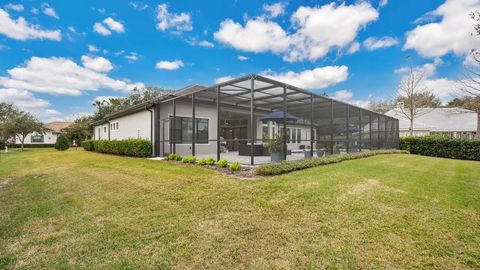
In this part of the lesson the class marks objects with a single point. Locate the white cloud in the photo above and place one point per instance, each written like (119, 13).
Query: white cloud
(258, 35)
(101, 29)
(137, 5)
(98, 64)
(383, 3)
(114, 25)
(274, 10)
(108, 25)
(92, 48)
(321, 29)
(26, 101)
(119, 52)
(205, 43)
(374, 43)
(62, 76)
(49, 11)
(347, 96)
(132, 57)
(317, 78)
(20, 29)
(14, 7)
(316, 31)
(223, 79)
(354, 47)
(169, 65)
(242, 58)
(452, 33)
(175, 21)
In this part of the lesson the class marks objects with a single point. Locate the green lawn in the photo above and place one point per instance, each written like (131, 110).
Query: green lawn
(79, 209)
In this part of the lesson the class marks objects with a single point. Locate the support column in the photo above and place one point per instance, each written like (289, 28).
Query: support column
(360, 131)
(331, 127)
(194, 125)
(370, 131)
(379, 143)
(252, 119)
(348, 129)
(173, 140)
(218, 123)
(311, 126)
(285, 123)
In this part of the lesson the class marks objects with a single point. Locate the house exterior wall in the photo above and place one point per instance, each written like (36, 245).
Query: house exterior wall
(136, 125)
(48, 138)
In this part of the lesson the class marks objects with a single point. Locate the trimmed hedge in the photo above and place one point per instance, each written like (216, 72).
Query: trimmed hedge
(38, 145)
(446, 147)
(129, 147)
(62, 143)
(290, 166)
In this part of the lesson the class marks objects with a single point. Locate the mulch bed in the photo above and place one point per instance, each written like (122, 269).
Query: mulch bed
(244, 172)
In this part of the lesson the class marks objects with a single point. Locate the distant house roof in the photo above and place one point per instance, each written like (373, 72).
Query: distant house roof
(57, 126)
(438, 119)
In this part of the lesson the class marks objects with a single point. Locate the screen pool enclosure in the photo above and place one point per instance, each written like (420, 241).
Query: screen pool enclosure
(254, 119)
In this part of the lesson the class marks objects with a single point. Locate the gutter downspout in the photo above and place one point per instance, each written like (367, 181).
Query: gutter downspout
(151, 129)
(108, 121)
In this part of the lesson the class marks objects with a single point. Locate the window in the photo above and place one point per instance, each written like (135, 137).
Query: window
(299, 135)
(114, 126)
(105, 129)
(183, 129)
(36, 138)
(265, 134)
(117, 126)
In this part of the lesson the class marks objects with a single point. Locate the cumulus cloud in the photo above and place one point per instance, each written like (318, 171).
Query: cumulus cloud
(49, 11)
(92, 48)
(101, 29)
(383, 3)
(258, 35)
(14, 7)
(202, 43)
(61, 76)
(169, 65)
(178, 22)
(114, 25)
(452, 33)
(317, 78)
(374, 43)
(274, 10)
(316, 31)
(98, 64)
(20, 29)
(26, 101)
(108, 25)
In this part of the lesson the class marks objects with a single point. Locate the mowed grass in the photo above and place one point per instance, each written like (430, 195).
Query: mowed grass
(78, 209)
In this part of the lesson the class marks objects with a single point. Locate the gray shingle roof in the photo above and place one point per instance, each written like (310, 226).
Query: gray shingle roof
(439, 119)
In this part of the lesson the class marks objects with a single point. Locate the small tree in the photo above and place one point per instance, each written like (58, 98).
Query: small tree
(7, 111)
(80, 130)
(21, 125)
(412, 96)
(62, 143)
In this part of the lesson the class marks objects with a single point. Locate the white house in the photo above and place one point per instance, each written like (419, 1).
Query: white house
(54, 129)
(453, 122)
(239, 117)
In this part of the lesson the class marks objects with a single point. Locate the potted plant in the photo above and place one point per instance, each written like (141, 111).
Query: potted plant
(275, 147)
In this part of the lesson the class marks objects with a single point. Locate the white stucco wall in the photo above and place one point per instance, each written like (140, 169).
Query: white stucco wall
(136, 125)
(48, 138)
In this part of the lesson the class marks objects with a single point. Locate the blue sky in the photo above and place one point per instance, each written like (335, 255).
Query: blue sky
(59, 56)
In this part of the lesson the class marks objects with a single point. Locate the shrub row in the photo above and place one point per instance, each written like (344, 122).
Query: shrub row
(129, 147)
(290, 166)
(446, 147)
(234, 166)
(37, 145)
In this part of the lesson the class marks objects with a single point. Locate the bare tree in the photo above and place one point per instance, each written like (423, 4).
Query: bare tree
(410, 93)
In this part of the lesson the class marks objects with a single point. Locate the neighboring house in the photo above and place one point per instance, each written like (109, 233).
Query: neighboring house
(452, 122)
(235, 119)
(49, 137)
